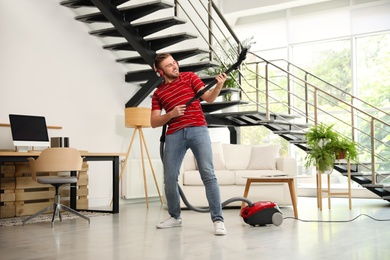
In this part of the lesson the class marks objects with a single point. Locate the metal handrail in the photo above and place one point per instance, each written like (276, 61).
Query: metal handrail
(311, 111)
(329, 84)
(350, 106)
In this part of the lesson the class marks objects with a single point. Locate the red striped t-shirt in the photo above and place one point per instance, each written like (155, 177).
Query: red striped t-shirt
(168, 96)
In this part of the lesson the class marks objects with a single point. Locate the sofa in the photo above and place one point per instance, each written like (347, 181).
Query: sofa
(233, 162)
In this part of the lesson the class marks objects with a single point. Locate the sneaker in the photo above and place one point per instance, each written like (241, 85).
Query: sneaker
(170, 223)
(219, 228)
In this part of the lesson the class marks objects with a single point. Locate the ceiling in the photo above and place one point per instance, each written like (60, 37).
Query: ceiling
(236, 12)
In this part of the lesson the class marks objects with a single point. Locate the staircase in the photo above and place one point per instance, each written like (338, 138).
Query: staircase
(275, 94)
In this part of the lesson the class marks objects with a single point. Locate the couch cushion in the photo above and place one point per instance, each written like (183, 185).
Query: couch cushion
(218, 160)
(189, 161)
(240, 180)
(236, 156)
(263, 157)
(192, 178)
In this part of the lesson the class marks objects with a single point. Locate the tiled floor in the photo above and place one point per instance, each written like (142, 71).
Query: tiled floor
(132, 234)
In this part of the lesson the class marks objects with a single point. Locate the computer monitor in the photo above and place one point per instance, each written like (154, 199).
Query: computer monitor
(29, 131)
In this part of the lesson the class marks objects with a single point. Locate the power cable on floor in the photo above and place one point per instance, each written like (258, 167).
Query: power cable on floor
(337, 221)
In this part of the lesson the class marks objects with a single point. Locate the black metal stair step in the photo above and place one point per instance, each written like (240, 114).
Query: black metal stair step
(142, 28)
(302, 146)
(342, 167)
(292, 136)
(177, 55)
(356, 174)
(87, 3)
(228, 90)
(77, 3)
(378, 189)
(263, 116)
(143, 75)
(361, 179)
(215, 106)
(207, 80)
(250, 118)
(155, 43)
(290, 132)
(259, 118)
(283, 124)
(279, 116)
(377, 185)
(129, 13)
(298, 141)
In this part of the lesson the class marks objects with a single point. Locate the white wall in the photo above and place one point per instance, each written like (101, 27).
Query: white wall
(51, 66)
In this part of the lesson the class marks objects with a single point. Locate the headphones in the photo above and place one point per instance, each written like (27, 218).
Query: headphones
(159, 72)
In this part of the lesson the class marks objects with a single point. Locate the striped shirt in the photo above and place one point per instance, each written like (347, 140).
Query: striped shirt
(168, 96)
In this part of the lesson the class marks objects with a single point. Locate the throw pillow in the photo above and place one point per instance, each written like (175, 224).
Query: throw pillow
(236, 156)
(218, 160)
(263, 157)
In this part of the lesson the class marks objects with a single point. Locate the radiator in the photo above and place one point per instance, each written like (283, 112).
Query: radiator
(132, 183)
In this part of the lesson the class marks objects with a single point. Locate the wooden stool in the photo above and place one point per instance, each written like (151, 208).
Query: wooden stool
(328, 192)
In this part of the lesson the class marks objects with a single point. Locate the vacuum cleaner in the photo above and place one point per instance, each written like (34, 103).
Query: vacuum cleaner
(260, 213)
(255, 214)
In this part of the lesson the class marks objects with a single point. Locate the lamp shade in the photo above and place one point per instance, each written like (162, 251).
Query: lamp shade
(137, 117)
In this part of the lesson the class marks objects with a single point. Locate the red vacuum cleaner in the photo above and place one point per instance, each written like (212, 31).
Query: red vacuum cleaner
(262, 213)
(255, 214)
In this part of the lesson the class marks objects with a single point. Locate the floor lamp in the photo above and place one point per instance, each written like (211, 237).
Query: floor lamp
(138, 118)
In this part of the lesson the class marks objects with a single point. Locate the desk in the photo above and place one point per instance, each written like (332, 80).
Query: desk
(283, 179)
(113, 157)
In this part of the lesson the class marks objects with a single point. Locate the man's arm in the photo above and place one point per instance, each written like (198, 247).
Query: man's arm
(156, 119)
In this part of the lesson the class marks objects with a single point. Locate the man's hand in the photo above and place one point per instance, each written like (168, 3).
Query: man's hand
(178, 111)
(221, 78)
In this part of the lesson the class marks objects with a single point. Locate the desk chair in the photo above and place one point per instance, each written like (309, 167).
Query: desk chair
(56, 160)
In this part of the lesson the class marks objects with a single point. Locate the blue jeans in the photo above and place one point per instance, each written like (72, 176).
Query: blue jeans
(198, 140)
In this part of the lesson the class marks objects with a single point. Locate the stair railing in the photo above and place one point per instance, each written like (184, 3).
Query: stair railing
(312, 108)
(217, 35)
(301, 91)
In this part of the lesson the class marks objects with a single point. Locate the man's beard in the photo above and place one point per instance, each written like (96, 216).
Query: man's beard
(172, 76)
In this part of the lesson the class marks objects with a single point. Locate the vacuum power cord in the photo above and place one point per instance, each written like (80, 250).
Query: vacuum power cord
(337, 221)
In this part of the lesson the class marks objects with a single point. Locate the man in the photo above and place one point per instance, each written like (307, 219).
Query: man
(187, 129)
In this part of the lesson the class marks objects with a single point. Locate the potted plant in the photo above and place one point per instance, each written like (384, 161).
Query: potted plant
(345, 149)
(320, 139)
(231, 81)
(225, 56)
(326, 145)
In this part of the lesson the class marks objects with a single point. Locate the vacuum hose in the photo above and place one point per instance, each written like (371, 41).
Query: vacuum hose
(207, 209)
(202, 210)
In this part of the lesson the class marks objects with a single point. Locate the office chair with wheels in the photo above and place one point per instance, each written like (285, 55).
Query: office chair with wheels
(56, 160)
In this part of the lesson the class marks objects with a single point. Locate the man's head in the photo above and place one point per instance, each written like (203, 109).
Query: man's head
(166, 66)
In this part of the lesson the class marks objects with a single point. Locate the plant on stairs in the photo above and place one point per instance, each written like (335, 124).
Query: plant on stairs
(326, 145)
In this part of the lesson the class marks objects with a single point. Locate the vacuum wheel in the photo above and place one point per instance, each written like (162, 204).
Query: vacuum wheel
(277, 218)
